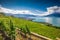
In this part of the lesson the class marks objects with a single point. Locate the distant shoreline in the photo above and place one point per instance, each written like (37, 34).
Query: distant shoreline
(48, 24)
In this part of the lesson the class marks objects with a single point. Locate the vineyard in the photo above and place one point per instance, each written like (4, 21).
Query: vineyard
(12, 28)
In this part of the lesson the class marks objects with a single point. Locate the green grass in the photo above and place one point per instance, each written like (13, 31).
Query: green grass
(38, 28)
(1, 37)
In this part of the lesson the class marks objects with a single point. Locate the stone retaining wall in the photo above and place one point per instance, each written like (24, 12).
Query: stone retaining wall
(40, 36)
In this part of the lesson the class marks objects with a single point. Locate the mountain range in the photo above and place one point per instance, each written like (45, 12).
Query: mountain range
(29, 16)
(53, 15)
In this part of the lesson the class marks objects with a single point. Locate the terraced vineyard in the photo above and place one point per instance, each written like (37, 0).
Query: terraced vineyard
(38, 28)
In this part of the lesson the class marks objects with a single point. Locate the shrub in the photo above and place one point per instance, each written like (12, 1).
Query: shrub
(12, 31)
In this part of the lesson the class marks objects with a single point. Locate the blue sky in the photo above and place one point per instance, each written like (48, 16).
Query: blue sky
(33, 7)
(29, 4)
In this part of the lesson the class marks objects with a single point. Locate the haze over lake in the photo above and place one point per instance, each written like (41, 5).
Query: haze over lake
(52, 20)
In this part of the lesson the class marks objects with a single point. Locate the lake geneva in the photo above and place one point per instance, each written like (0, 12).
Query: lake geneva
(55, 21)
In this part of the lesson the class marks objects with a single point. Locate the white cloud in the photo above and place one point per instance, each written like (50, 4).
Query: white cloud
(53, 9)
(37, 12)
(50, 10)
(5, 10)
(42, 13)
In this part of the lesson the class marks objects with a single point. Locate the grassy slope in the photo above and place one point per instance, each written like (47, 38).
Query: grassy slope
(34, 27)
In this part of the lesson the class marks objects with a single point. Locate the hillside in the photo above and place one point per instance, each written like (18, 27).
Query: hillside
(38, 28)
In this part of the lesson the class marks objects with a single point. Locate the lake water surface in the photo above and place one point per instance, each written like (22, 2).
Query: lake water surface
(52, 20)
